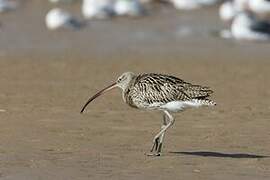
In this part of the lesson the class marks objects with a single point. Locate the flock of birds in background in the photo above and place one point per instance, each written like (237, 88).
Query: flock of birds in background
(246, 19)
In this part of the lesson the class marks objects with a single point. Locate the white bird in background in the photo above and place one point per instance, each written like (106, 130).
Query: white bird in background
(128, 8)
(192, 4)
(227, 11)
(260, 8)
(58, 18)
(7, 5)
(97, 9)
(247, 27)
(185, 4)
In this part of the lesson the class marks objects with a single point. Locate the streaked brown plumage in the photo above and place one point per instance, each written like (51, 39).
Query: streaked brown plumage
(159, 92)
(150, 88)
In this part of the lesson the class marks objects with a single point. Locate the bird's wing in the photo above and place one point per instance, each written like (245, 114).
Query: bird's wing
(197, 91)
(159, 88)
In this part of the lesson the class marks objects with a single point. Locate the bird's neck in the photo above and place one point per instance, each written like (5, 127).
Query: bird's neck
(126, 88)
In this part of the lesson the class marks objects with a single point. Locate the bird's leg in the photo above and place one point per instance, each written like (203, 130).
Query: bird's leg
(155, 145)
(159, 146)
(159, 137)
(157, 141)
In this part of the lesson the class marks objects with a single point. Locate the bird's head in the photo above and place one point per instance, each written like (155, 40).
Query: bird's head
(122, 82)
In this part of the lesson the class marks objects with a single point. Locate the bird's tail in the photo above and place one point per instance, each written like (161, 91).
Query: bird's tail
(205, 102)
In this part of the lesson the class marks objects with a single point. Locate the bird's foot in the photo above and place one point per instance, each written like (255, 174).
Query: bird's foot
(156, 148)
(153, 154)
(155, 144)
(159, 148)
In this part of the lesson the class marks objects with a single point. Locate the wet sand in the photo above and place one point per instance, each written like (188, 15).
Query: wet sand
(46, 77)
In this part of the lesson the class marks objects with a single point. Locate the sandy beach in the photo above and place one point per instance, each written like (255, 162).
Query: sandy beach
(46, 77)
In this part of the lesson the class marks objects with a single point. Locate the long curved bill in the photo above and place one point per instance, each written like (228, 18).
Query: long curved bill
(110, 87)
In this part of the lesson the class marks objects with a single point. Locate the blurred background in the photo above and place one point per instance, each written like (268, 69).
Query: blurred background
(55, 54)
(113, 27)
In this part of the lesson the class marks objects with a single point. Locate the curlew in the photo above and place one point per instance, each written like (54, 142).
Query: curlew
(160, 92)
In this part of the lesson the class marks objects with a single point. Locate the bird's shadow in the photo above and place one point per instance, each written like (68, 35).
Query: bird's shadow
(221, 155)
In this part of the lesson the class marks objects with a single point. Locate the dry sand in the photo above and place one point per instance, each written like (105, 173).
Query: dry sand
(47, 76)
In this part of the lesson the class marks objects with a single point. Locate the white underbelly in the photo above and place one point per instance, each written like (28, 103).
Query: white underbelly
(176, 106)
